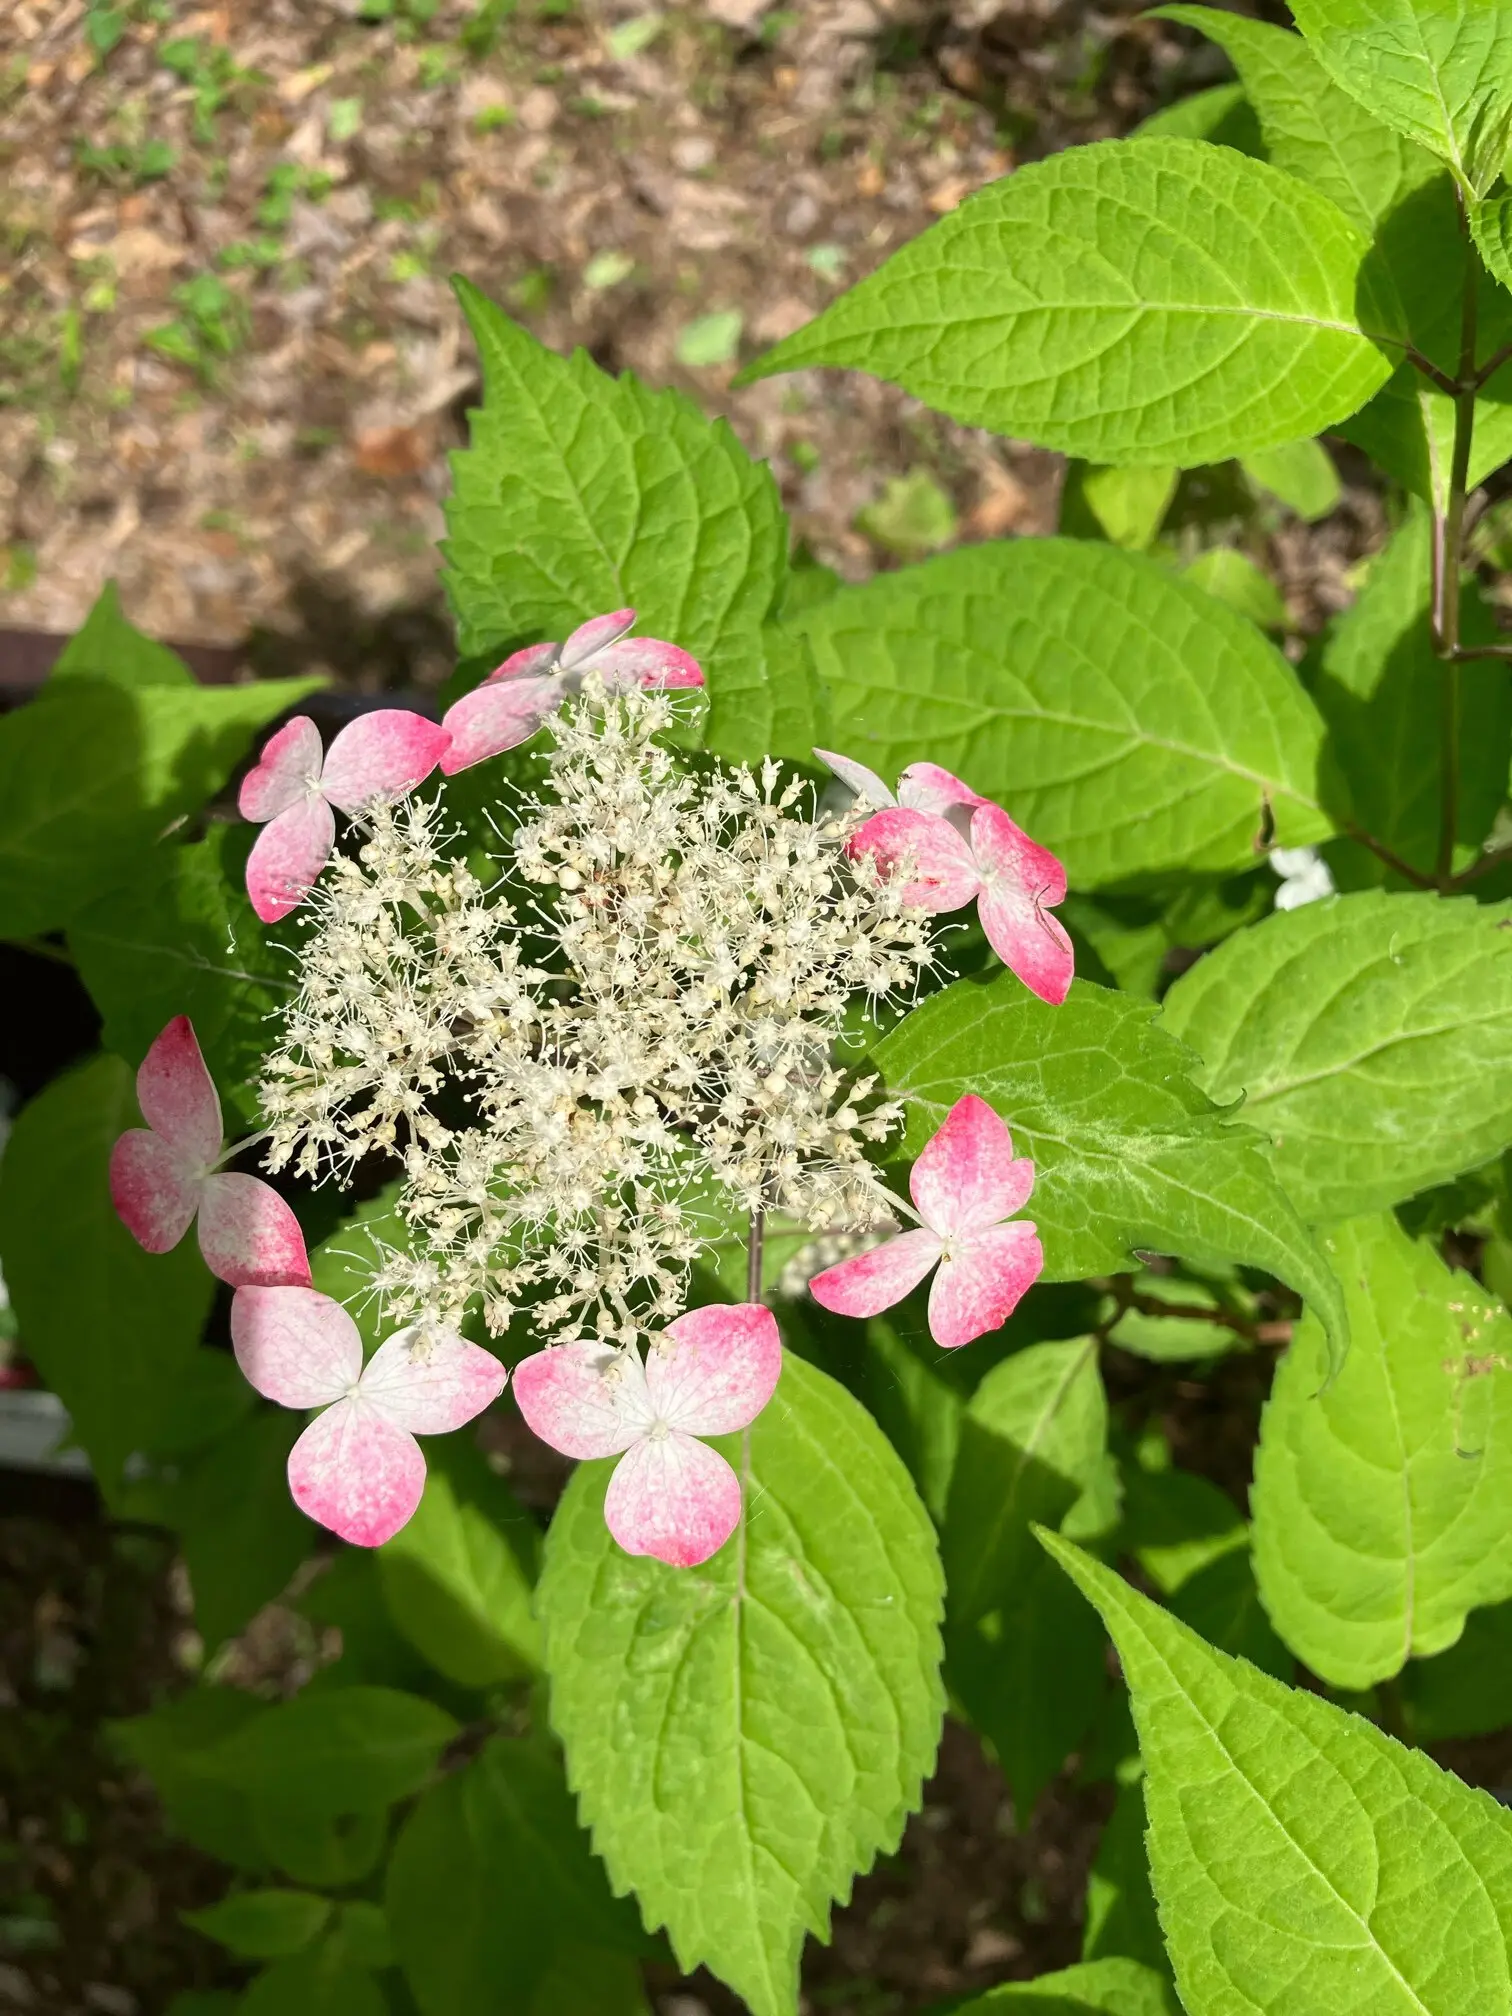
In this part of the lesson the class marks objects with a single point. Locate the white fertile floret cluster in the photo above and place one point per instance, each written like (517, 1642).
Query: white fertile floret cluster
(605, 1062)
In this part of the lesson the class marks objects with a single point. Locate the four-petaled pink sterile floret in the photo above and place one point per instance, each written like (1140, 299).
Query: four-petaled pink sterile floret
(165, 1173)
(964, 1185)
(517, 696)
(293, 787)
(959, 848)
(709, 1373)
(357, 1468)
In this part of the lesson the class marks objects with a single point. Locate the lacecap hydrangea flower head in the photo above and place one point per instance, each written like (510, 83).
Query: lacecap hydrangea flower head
(585, 1060)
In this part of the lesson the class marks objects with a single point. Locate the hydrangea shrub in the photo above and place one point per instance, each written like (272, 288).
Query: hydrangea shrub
(772, 1052)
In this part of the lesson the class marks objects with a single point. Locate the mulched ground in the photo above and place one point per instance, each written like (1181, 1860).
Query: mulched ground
(230, 362)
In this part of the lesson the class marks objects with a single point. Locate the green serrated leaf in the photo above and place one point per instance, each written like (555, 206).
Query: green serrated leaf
(324, 1982)
(1297, 1852)
(1222, 115)
(1136, 301)
(263, 1924)
(1312, 129)
(1408, 427)
(241, 1534)
(581, 492)
(1177, 1523)
(457, 1578)
(1491, 226)
(1170, 1339)
(1126, 720)
(185, 942)
(1096, 1988)
(1380, 687)
(1466, 1691)
(1368, 1035)
(107, 646)
(340, 1750)
(490, 1878)
(1129, 1155)
(1022, 1664)
(1301, 476)
(1439, 73)
(173, 1745)
(1124, 505)
(1234, 579)
(108, 1326)
(745, 1737)
(92, 773)
(1120, 1909)
(1381, 1503)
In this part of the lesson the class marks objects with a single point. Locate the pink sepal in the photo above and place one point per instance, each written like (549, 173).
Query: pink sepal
(535, 658)
(287, 858)
(965, 1177)
(593, 637)
(872, 1281)
(178, 1098)
(249, 1236)
(356, 1473)
(942, 874)
(294, 1345)
(648, 662)
(496, 716)
(288, 769)
(714, 1369)
(866, 784)
(430, 1381)
(978, 1288)
(380, 756)
(673, 1498)
(153, 1196)
(925, 787)
(583, 1400)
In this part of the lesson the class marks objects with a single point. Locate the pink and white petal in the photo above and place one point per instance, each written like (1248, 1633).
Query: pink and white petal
(875, 1280)
(288, 767)
(647, 661)
(942, 874)
(594, 636)
(428, 1380)
(380, 756)
(925, 787)
(1029, 941)
(357, 1473)
(295, 1345)
(497, 716)
(1006, 855)
(535, 658)
(287, 858)
(866, 784)
(978, 1288)
(178, 1098)
(673, 1498)
(714, 1369)
(584, 1399)
(966, 1177)
(154, 1195)
(249, 1236)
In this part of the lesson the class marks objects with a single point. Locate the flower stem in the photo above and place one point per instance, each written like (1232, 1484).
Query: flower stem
(1449, 563)
(753, 1256)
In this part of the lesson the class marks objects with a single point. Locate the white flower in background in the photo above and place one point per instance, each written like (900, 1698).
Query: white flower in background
(1304, 876)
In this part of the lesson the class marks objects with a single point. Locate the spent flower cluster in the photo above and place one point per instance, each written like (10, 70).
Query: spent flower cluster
(592, 1055)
